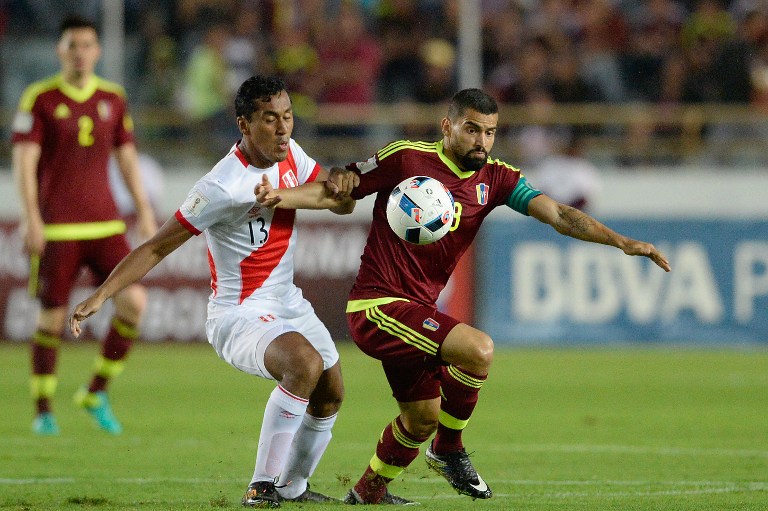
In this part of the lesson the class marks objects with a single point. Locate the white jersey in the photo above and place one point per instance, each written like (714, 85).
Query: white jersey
(250, 248)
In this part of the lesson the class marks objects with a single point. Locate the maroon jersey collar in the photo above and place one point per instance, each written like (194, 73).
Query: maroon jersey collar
(462, 174)
(76, 94)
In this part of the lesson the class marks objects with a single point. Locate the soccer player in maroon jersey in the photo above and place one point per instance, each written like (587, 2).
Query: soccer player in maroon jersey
(64, 130)
(435, 364)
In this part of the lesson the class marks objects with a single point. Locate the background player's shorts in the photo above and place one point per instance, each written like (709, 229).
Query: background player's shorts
(406, 337)
(62, 261)
(240, 334)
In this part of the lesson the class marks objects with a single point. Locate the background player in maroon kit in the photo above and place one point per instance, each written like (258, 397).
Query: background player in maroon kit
(63, 133)
(435, 364)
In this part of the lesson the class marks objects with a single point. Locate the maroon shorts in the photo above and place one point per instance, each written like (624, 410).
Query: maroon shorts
(406, 337)
(62, 261)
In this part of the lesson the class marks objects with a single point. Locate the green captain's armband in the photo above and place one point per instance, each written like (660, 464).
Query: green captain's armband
(521, 196)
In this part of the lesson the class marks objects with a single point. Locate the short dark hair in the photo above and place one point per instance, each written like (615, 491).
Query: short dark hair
(75, 21)
(474, 99)
(256, 88)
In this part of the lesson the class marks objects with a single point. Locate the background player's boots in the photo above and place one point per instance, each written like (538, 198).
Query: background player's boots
(97, 404)
(45, 424)
(458, 470)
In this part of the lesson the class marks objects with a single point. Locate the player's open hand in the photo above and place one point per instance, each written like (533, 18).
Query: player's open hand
(641, 248)
(83, 310)
(341, 182)
(266, 195)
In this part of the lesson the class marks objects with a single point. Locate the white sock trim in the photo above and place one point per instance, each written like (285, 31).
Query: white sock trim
(319, 423)
(289, 402)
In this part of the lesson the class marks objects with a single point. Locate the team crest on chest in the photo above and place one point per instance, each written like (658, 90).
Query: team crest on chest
(289, 179)
(482, 193)
(104, 109)
(267, 318)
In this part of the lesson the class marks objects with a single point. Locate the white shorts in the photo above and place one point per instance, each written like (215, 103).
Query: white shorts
(240, 335)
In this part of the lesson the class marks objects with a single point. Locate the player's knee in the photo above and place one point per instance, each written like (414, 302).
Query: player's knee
(481, 352)
(305, 365)
(420, 427)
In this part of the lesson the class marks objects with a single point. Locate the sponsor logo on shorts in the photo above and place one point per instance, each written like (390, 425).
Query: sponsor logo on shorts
(430, 324)
(266, 318)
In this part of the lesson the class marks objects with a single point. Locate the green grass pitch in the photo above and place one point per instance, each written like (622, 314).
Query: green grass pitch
(658, 428)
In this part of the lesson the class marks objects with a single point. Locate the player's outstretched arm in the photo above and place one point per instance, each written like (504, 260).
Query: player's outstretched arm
(314, 195)
(131, 269)
(577, 224)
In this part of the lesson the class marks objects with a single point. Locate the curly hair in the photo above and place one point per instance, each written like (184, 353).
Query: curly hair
(254, 89)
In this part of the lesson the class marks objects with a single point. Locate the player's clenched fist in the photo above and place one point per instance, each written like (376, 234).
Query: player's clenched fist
(342, 181)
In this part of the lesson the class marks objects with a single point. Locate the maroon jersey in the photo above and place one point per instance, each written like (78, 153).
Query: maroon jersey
(391, 267)
(77, 130)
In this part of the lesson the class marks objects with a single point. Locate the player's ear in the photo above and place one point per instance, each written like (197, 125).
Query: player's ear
(445, 126)
(243, 126)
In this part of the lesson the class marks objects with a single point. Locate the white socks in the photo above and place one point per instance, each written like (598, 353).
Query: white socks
(282, 419)
(306, 450)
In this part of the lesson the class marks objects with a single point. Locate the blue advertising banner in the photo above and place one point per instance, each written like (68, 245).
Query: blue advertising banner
(536, 286)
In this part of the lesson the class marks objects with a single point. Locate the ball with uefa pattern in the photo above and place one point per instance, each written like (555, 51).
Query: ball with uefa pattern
(420, 210)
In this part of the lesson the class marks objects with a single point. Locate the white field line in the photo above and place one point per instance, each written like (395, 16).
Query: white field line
(751, 485)
(602, 494)
(630, 449)
(505, 448)
(595, 449)
(55, 480)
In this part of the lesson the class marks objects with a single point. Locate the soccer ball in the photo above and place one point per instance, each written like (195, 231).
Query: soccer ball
(420, 210)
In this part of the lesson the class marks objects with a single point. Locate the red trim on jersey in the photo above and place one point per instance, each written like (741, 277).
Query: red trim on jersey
(240, 155)
(183, 221)
(314, 173)
(259, 264)
(212, 267)
(255, 269)
(290, 160)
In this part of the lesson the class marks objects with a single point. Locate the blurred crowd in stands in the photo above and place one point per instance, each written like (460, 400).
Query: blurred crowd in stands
(194, 53)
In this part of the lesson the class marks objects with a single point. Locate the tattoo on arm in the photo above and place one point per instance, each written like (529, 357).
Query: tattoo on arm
(574, 223)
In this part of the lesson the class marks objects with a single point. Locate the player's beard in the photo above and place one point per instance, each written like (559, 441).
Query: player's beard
(473, 163)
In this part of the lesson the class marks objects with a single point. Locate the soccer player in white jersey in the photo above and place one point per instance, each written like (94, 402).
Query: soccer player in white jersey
(258, 320)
